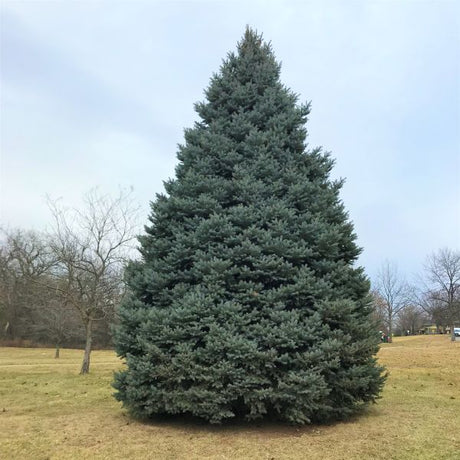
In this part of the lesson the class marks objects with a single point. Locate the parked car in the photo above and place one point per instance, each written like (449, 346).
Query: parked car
(457, 331)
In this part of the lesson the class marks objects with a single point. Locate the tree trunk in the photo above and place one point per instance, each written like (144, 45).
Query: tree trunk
(56, 354)
(390, 331)
(86, 356)
(452, 332)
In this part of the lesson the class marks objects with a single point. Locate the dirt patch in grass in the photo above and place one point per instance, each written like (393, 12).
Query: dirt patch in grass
(48, 411)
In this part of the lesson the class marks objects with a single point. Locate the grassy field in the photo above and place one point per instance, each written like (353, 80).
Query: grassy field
(48, 411)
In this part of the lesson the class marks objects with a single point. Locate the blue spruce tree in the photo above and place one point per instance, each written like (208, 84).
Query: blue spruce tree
(246, 301)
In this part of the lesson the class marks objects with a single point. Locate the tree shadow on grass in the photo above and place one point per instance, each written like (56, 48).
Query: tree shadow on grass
(269, 427)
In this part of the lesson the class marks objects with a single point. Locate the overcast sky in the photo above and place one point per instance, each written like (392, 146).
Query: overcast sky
(98, 94)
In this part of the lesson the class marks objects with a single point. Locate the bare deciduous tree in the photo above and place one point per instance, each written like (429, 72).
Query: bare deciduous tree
(25, 260)
(411, 319)
(392, 294)
(91, 246)
(51, 320)
(442, 293)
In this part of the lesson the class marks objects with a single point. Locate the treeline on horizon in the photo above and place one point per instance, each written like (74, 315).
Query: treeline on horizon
(38, 307)
(402, 308)
(62, 287)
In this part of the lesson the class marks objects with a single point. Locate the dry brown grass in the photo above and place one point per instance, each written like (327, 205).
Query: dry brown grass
(48, 411)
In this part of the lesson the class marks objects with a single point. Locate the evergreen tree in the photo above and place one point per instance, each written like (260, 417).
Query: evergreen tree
(246, 301)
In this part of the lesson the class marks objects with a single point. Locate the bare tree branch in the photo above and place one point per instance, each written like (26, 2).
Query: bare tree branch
(91, 245)
(392, 294)
(441, 296)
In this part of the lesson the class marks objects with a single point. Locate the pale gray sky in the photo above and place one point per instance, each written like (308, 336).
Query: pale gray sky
(98, 94)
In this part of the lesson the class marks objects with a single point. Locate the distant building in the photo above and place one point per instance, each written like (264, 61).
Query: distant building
(433, 329)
